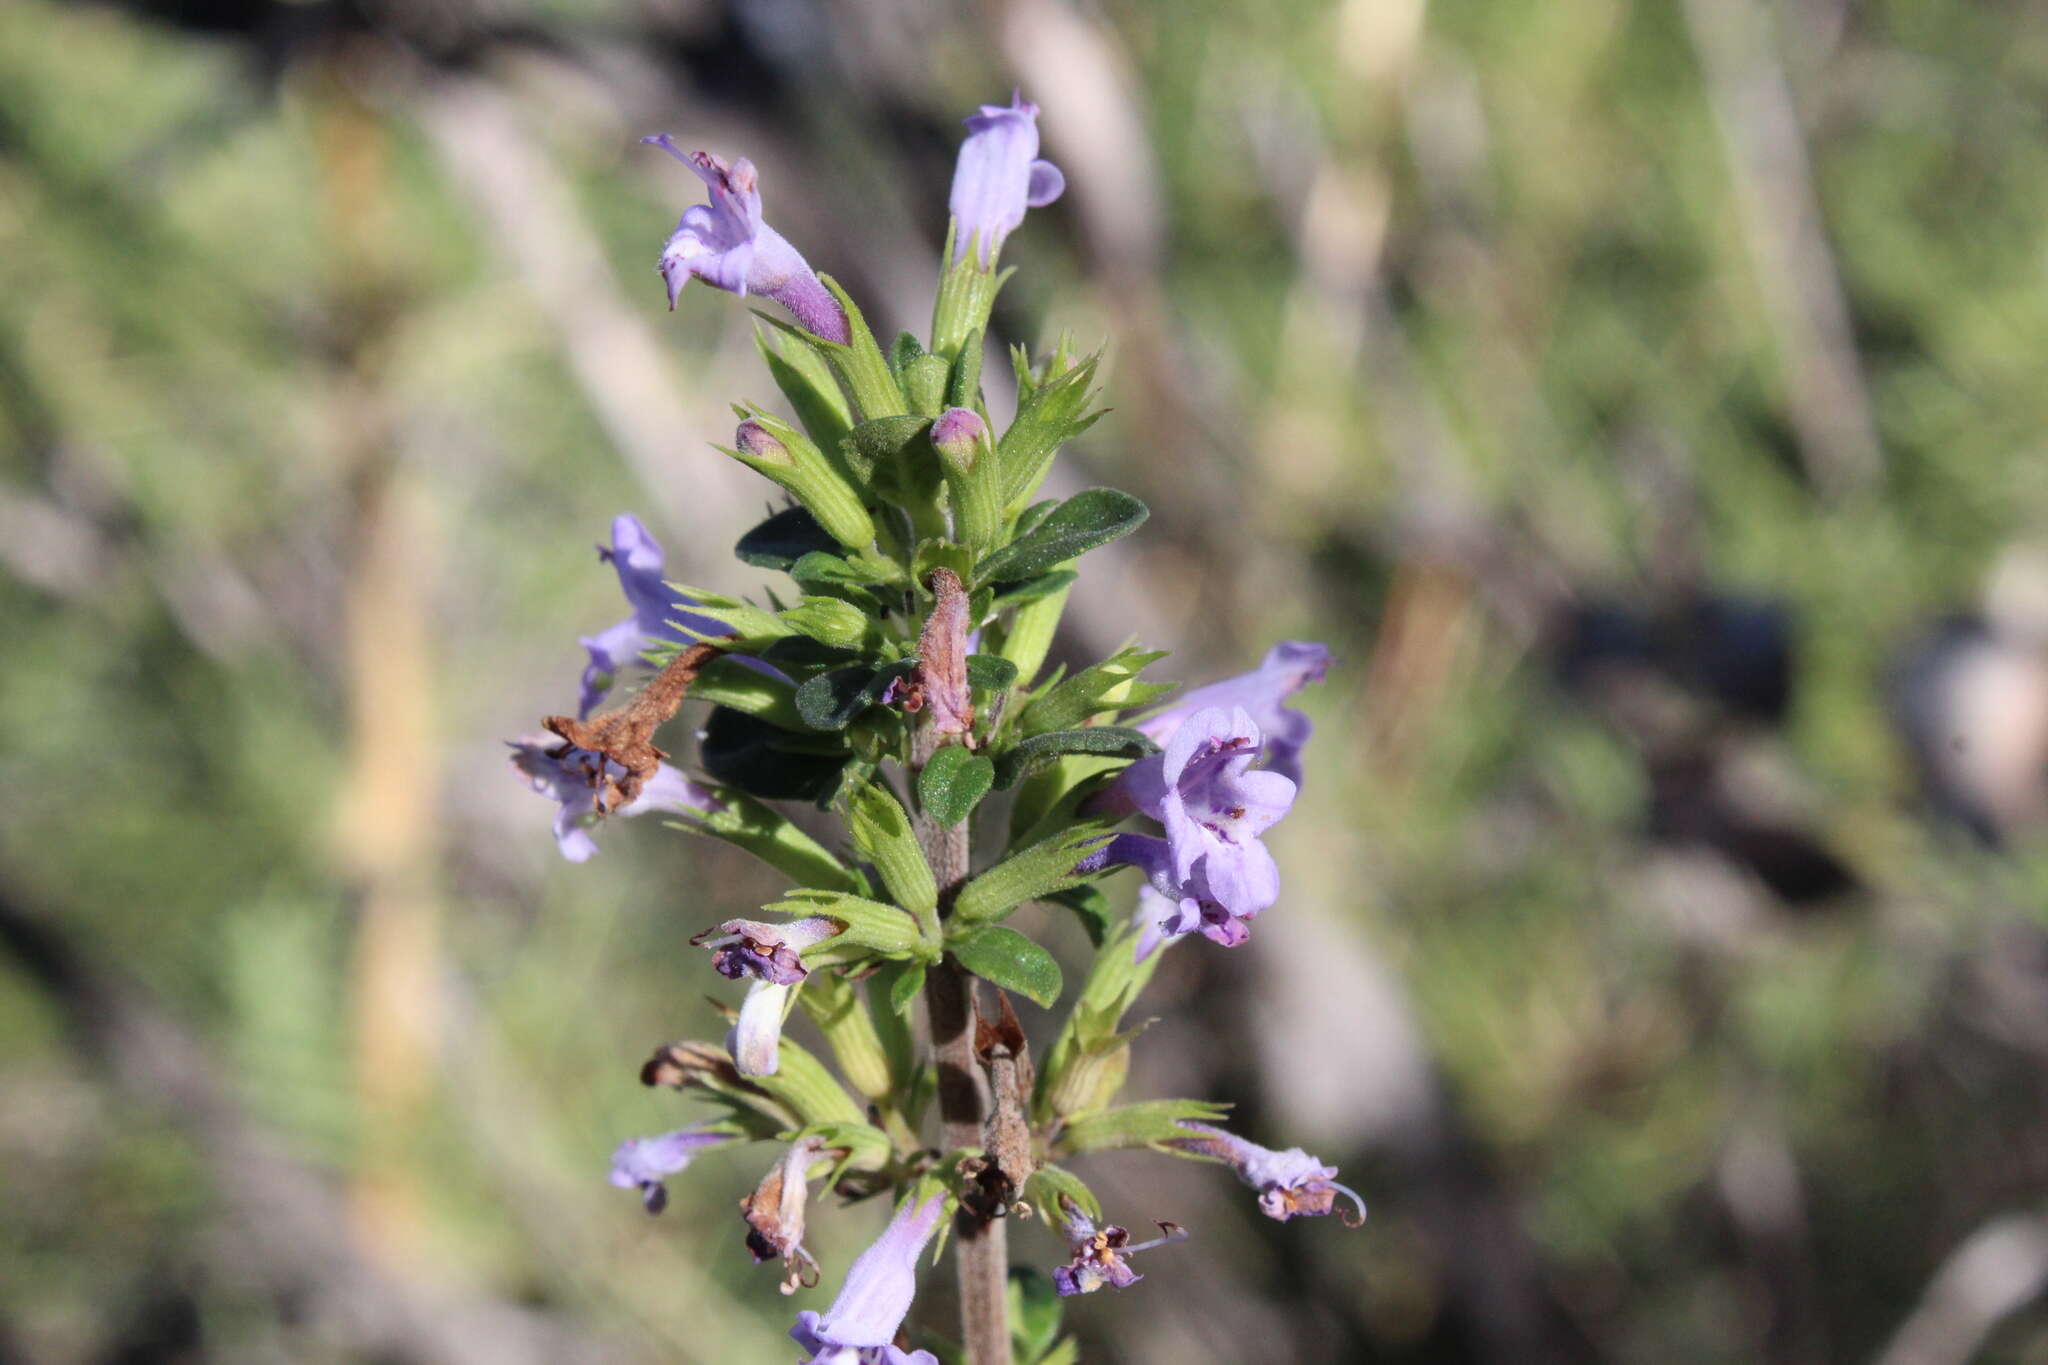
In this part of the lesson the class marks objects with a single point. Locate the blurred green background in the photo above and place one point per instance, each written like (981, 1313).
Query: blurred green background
(1644, 401)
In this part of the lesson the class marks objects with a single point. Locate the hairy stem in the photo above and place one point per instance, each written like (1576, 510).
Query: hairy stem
(982, 1251)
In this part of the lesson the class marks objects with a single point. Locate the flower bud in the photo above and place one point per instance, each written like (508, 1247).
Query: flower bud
(968, 458)
(779, 451)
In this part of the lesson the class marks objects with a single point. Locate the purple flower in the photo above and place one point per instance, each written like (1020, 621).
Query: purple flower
(1215, 804)
(726, 245)
(569, 781)
(770, 952)
(1291, 1184)
(775, 1215)
(1098, 1253)
(860, 1327)
(641, 1163)
(998, 176)
(1162, 920)
(638, 558)
(1288, 667)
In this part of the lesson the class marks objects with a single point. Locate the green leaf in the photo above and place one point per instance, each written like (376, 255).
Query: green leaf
(832, 700)
(886, 929)
(952, 783)
(1112, 741)
(1007, 959)
(881, 831)
(1031, 589)
(1108, 686)
(1051, 416)
(924, 381)
(861, 364)
(905, 349)
(1151, 1124)
(761, 760)
(905, 986)
(769, 836)
(1081, 523)
(725, 681)
(1027, 874)
(1048, 1183)
(1034, 1313)
(990, 672)
(963, 389)
(783, 539)
(807, 382)
(1091, 905)
(829, 621)
(819, 567)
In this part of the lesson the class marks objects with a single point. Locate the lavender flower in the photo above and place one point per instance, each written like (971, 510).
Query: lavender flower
(1098, 1253)
(641, 1163)
(769, 952)
(638, 558)
(1162, 920)
(1291, 1184)
(860, 1327)
(1211, 868)
(569, 780)
(1288, 667)
(726, 245)
(998, 176)
(775, 1215)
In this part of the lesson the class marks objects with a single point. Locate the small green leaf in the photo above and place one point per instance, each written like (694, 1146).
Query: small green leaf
(963, 389)
(952, 783)
(1007, 959)
(1150, 1124)
(1108, 686)
(725, 681)
(906, 349)
(831, 700)
(1091, 905)
(1048, 1183)
(990, 672)
(829, 621)
(924, 381)
(907, 985)
(1031, 589)
(807, 382)
(1090, 518)
(1111, 741)
(742, 751)
(783, 539)
(1051, 416)
(1027, 874)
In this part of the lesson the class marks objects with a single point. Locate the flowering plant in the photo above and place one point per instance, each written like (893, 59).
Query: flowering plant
(903, 686)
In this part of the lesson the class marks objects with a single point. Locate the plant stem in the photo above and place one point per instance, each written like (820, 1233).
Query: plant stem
(981, 1253)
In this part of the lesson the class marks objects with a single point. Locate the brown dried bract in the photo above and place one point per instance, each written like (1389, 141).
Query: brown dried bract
(681, 1064)
(1006, 1134)
(625, 734)
(941, 678)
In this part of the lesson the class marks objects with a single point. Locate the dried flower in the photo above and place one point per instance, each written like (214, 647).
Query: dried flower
(860, 1327)
(775, 1215)
(1098, 1253)
(998, 176)
(566, 779)
(642, 1163)
(1291, 1184)
(727, 245)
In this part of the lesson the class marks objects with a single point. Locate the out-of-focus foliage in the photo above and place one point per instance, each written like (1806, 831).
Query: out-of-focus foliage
(1618, 388)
